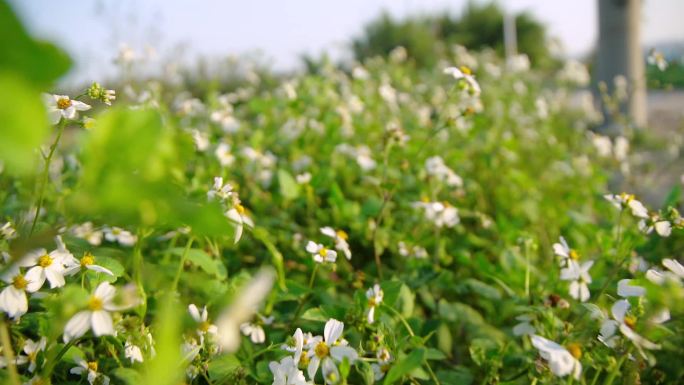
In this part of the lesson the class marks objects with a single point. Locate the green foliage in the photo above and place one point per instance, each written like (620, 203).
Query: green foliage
(426, 38)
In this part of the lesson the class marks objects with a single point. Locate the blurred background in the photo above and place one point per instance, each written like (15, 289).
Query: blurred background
(283, 33)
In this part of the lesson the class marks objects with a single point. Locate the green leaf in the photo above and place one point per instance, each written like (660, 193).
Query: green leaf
(37, 62)
(288, 186)
(405, 365)
(203, 260)
(223, 367)
(366, 372)
(459, 376)
(315, 314)
(24, 125)
(128, 375)
(164, 369)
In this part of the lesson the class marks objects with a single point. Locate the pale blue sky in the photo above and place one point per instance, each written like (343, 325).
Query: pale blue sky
(91, 30)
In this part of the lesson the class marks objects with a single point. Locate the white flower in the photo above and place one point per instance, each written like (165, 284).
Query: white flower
(384, 359)
(200, 139)
(202, 318)
(525, 326)
(301, 341)
(441, 214)
(435, 167)
(374, 296)
(321, 253)
(657, 59)
(245, 305)
(223, 154)
(414, 251)
(562, 250)
(627, 290)
(625, 200)
(286, 372)
(328, 351)
(60, 106)
(133, 352)
(220, 190)
(303, 178)
(561, 361)
(238, 215)
(255, 331)
(226, 120)
(87, 232)
(13, 299)
(87, 262)
(46, 266)
(7, 231)
(340, 237)
(31, 349)
(97, 316)
(466, 74)
(91, 369)
(675, 272)
(661, 226)
(123, 237)
(579, 275)
(625, 323)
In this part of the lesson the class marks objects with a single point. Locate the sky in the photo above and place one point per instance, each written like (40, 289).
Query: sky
(92, 30)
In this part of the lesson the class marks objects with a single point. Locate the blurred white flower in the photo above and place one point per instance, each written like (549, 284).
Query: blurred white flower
(243, 308)
(579, 277)
(441, 214)
(87, 231)
(286, 372)
(13, 299)
(340, 237)
(321, 253)
(133, 352)
(255, 331)
(466, 74)
(220, 190)
(328, 351)
(202, 319)
(201, 140)
(625, 200)
(238, 215)
(223, 154)
(374, 295)
(561, 361)
(524, 327)
(657, 59)
(119, 235)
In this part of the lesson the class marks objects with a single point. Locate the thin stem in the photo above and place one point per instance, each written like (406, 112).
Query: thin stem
(48, 369)
(303, 299)
(614, 373)
(401, 318)
(181, 264)
(9, 352)
(596, 376)
(46, 174)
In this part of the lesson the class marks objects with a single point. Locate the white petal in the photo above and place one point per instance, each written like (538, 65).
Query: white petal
(105, 291)
(55, 276)
(100, 269)
(619, 309)
(102, 323)
(77, 326)
(626, 290)
(194, 312)
(328, 231)
(313, 366)
(36, 278)
(339, 352)
(333, 330)
(312, 247)
(674, 266)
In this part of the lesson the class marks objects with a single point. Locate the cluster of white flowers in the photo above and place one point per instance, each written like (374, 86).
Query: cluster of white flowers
(441, 214)
(361, 153)
(434, 166)
(314, 352)
(648, 222)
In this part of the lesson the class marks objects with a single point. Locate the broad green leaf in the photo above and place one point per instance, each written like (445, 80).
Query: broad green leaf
(37, 62)
(223, 367)
(164, 368)
(203, 260)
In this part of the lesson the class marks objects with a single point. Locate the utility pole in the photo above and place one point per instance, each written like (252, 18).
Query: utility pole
(619, 53)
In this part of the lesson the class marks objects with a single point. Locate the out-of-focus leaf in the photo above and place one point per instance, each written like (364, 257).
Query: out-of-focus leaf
(203, 260)
(128, 375)
(222, 367)
(164, 369)
(23, 126)
(37, 62)
(459, 376)
(288, 186)
(129, 161)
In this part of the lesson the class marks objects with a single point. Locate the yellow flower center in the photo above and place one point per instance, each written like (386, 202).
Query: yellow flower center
(469, 111)
(322, 350)
(63, 103)
(575, 350)
(19, 282)
(626, 197)
(371, 302)
(304, 360)
(45, 261)
(240, 208)
(630, 321)
(342, 234)
(92, 365)
(466, 70)
(88, 259)
(385, 368)
(323, 251)
(204, 326)
(574, 255)
(95, 303)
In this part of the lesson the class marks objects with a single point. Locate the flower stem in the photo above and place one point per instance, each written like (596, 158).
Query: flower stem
(46, 174)
(9, 353)
(303, 299)
(174, 285)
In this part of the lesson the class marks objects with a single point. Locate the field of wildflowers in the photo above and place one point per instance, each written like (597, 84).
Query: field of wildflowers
(376, 224)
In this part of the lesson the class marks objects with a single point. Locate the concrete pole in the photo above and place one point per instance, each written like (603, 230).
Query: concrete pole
(510, 35)
(619, 53)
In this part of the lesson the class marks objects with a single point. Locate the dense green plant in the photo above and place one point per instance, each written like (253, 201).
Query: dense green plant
(436, 226)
